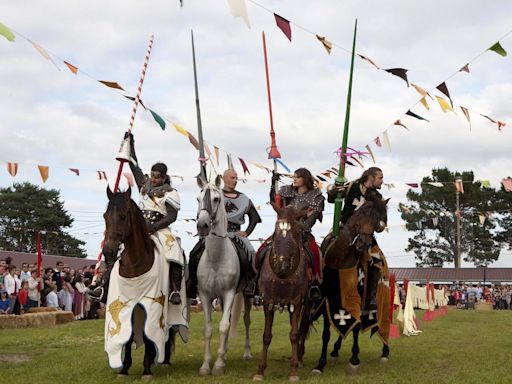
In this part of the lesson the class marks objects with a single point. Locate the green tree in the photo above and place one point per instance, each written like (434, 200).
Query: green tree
(432, 217)
(25, 209)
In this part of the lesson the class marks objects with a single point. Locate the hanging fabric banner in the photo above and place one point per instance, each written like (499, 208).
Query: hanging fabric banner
(71, 67)
(158, 119)
(7, 33)
(425, 104)
(421, 91)
(507, 184)
(284, 25)
(111, 84)
(180, 129)
(410, 113)
(370, 152)
(435, 184)
(459, 186)
(399, 123)
(238, 9)
(12, 168)
(377, 142)
(129, 178)
(489, 118)
(369, 60)
(102, 175)
(444, 105)
(501, 124)
(466, 113)
(465, 68)
(44, 171)
(326, 43)
(400, 72)
(216, 150)
(75, 171)
(385, 137)
(498, 49)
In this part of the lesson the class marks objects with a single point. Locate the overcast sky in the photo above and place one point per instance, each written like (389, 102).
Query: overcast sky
(55, 118)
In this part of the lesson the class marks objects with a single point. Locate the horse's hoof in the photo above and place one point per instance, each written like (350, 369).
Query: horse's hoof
(352, 369)
(384, 360)
(205, 371)
(247, 357)
(316, 372)
(294, 379)
(300, 364)
(258, 377)
(147, 377)
(333, 360)
(122, 375)
(218, 370)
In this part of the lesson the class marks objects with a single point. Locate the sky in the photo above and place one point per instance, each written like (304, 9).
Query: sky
(49, 116)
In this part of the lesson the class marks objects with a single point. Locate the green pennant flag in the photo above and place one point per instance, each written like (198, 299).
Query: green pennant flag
(6, 32)
(158, 119)
(498, 49)
(410, 113)
(486, 183)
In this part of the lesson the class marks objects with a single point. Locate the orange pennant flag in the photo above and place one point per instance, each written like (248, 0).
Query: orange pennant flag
(459, 187)
(44, 171)
(326, 43)
(12, 168)
(71, 67)
(111, 84)
(444, 105)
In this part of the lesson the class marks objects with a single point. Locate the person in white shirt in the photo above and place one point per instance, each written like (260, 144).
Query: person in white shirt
(52, 301)
(33, 293)
(25, 273)
(11, 285)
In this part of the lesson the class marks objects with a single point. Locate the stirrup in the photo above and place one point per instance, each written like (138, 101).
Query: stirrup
(175, 298)
(314, 293)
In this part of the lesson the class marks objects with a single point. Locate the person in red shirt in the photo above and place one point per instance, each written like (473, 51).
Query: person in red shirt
(22, 298)
(457, 297)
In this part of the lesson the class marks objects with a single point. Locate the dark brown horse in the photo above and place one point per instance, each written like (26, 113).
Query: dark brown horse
(284, 282)
(125, 224)
(348, 250)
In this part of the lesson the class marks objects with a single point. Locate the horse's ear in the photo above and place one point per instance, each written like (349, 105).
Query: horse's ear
(109, 193)
(128, 193)
(217, 181)
(200, 181)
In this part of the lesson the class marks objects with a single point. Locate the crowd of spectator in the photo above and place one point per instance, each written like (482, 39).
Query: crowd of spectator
(60, 287)
(465, 296)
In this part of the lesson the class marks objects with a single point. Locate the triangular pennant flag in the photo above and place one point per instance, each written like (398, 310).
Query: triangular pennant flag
(387, 143)
(398, 122)
(6, 32)
(370, 152)
(410, 113)
(465, 68)
(326, 43)
(485, 183)
(284, 25)
(207, 150)
(444, 89)
(244, 166)
(193, 140)
(71, 67)
(41, 50)
(412, 185)
(238, 9)
(133, 99)
(44, 171)
(357, 161)
(12, 168)
(507, 184)
(377, 142)
(498, 49)
(216, 149)
(490, 119)
(260, 166)
(129, 178)
(111, 84)
(400, 72)
(459, 186)
(180, 129)
(425, 104)
(465, 111)
(158, 119)
(444, 105)
(501, 124)
(369, 60)
(230, 162)
(327, 174)
(421, 91)
(482, 218)
(435, 184)
(102, 175)
(76, 171)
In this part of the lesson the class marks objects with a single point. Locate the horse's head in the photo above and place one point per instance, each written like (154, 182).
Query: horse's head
(287, 239)
(371, 217)
(210, 202)
(118, 225)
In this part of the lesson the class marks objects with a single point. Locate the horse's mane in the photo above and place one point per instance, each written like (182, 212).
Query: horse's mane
(373, 210)
(120, 201)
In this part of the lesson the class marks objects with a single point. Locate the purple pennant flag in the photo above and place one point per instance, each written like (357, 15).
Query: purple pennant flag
(244, 166)
(284, 25)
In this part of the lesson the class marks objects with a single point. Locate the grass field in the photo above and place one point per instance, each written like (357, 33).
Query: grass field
(462, 347)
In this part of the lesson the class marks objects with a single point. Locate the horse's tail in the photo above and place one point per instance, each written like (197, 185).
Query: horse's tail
(236, 312)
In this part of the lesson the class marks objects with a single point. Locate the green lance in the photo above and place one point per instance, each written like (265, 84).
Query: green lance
(340, 179)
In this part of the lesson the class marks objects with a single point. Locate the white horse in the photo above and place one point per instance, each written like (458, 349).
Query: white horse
(218, 275)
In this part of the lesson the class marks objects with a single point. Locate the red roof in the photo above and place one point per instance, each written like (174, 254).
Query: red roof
(49, 261)
(453, 274)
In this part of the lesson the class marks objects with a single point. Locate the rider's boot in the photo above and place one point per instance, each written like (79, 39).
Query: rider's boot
(175, 276)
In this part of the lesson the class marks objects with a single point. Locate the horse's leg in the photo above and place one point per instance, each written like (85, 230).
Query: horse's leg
(247, 322)
(267, 338)
(384, 358)
(207, 309)
(149, 358)
(220, 364)
(168, 347)
(335, 350)
(294, 340)
(305, 322)
(353, 365)
(127, 361)
(326, 336)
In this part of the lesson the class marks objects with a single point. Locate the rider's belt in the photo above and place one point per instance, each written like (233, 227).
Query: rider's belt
(152, 217)
(232, 227)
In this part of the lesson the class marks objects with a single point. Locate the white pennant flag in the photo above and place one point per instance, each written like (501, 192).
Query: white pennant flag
(238, 9)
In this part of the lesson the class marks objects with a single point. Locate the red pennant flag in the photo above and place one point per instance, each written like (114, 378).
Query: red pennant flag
(244, 166)
(284, 25)
(465, 68)
(377, 142)
(111, 84)
(71, 67)
(412, 185)
(507, 184)
(44, 171)
(102, 175)
(76, 171)
(12, 168)
(501, 124)
(398, 122)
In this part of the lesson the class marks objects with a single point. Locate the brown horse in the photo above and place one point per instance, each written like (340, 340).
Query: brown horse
(284, 282)
(348, 250)
(125, 224)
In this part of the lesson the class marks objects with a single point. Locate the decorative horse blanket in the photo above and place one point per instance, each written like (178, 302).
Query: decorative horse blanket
(140, 305)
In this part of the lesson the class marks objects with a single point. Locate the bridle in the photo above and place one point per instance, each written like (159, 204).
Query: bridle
(206, 205)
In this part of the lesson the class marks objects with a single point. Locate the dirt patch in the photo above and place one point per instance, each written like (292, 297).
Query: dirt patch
(16, 359)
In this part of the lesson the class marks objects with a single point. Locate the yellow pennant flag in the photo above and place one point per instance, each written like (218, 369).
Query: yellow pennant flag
(444, 105)
(180, 129)
(44, 171)
(425, 104)
(326, 43)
